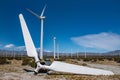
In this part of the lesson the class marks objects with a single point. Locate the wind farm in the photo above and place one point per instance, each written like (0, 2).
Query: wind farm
(72, 54)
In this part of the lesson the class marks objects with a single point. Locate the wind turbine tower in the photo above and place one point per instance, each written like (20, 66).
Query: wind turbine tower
(54, 41)
(77, 54)
(71, 53)
(58, 51)
(85, 54)
(41, 18)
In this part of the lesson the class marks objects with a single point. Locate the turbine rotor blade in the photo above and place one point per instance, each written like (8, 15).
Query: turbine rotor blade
(43, 10)
(33, 13)
(76, 69)
(31, 50)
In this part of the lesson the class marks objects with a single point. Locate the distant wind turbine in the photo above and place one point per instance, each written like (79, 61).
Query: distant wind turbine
(41, 17)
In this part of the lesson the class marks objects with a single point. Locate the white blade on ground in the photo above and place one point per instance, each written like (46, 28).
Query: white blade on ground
(76, 69)
(43, 11)
(33, 13)
(31, 51)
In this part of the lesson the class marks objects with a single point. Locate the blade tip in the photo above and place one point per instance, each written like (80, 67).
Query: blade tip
(20, 15)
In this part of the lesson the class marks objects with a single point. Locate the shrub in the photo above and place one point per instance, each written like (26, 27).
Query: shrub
(28, 61)
(4, 61)
(25, 61)
(87, 59)
(94, 60)
(18, 58)
(84, 64)
(32, 64)
(10, 58)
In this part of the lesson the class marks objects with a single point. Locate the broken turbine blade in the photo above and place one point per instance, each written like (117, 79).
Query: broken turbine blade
(76, 69)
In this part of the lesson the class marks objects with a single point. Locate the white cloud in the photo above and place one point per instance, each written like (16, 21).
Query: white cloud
(9, 46)
(105, 41)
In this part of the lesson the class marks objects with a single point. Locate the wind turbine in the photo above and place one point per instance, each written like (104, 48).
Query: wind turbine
(56, 65)
(41, 18)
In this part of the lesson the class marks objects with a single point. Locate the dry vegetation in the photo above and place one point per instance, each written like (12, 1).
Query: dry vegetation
(12, 69)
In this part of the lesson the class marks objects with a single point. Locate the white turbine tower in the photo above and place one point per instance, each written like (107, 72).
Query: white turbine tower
(41, 17)
(58, 51)
(85, 53)
(77, 54)
(54, 42)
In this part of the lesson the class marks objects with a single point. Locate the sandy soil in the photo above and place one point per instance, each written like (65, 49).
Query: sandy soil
(15, 71)
(114, 69)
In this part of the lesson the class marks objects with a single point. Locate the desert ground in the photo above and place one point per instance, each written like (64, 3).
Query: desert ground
(15, 71)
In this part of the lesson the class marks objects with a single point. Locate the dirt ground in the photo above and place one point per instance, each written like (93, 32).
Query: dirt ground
(15, 71)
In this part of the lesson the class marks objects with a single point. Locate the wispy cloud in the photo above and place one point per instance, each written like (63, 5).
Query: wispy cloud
(45, 50)
(12, 46)
(20, 48)
(105, 41)
(9, 46)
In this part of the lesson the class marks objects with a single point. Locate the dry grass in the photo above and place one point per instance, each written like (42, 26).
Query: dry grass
(107, 62)
(15, 69)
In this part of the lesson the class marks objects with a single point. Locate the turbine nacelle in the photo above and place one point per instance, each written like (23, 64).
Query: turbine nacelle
(54, 38)
(42, 17)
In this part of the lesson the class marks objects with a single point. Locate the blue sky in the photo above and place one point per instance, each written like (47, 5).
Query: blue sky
(79, 25)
